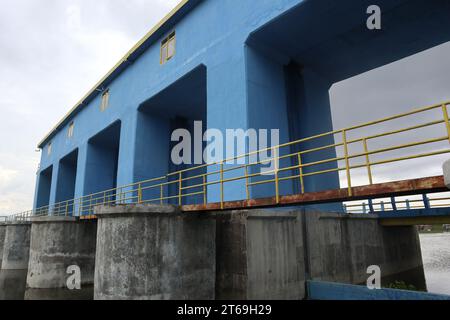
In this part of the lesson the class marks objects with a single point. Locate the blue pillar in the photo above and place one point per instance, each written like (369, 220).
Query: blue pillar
(125, 171)
(227, 109)
(53, 188)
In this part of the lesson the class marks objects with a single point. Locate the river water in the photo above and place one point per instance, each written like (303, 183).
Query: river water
(436, 259)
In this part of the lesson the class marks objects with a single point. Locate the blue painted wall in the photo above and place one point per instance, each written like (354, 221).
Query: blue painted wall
(236, 53)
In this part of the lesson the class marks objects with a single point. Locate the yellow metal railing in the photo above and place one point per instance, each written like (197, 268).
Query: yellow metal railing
(330, 152)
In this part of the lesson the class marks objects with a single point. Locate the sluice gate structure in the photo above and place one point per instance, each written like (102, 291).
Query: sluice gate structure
(110, 201)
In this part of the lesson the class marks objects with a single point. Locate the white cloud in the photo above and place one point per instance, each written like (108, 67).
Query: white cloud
(50, 57)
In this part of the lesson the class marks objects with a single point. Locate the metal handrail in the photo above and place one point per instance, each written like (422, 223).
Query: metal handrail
(190, 181)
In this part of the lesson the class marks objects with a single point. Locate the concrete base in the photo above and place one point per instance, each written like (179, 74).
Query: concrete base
(2, 240)
(268, 254)
(56, 244)
(16, 247)
(260, 255)
(154, 252)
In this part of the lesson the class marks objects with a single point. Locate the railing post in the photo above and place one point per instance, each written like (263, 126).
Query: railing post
(180, 189)
(67, 208)
(205, 200)
(80, 205)
(90, 205)
(394, 204)
(426, 201)
(300, 169)
(221, 187)
(369, 168)
(277, 180)
(383, 208)
(408, 204)
(347, 162)
(371, 209)
(140, 193)
(446, 118)
(161, 194)
(247, 190)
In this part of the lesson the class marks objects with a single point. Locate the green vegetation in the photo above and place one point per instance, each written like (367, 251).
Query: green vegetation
(401, 285)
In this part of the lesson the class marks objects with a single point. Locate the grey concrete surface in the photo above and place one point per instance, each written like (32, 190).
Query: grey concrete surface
(259, 255)
(56, 244)
(446, 171)
(342, 247)
(2, 240)
(268, 254)
(16, 246)
(154, 252)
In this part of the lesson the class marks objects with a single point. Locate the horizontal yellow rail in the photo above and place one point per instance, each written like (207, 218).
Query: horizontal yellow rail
(192, 184)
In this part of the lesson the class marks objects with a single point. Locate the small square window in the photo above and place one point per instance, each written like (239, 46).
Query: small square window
(70, 130)
(105, 100)
(168, 48)
(49, 148)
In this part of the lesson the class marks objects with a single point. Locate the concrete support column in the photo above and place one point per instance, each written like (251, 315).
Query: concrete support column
(56, 244)
(154, 252)
(260, 256)
(2, 240)
(16, 246)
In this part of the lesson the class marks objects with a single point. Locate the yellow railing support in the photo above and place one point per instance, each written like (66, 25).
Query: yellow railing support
(180, 189)
(221, 187)
(247, 190)
(277, 181)
(140, 193)
(161, 194)
(67, 208)
(369, 168)
(205, 200)
(447, 122)
(300, 169)
(347, 162)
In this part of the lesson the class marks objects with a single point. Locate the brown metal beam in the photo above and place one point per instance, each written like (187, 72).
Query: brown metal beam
(382, 190)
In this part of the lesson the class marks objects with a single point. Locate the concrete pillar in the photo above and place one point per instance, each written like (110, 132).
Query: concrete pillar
(268, 254)
(260, 255)
(446, 170)
(2, 240)
(56, 244)
(16, 247)
(154, 252)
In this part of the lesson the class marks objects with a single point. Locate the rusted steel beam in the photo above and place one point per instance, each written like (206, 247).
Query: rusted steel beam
(382, 190)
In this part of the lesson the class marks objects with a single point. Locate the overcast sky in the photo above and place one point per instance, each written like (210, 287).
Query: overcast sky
(52, 52)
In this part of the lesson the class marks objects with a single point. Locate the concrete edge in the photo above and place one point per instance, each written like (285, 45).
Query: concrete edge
(18, 223)
(141, 209)
(45, 219)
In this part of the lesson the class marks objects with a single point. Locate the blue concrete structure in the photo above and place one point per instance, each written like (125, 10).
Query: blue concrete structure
(263, 64)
